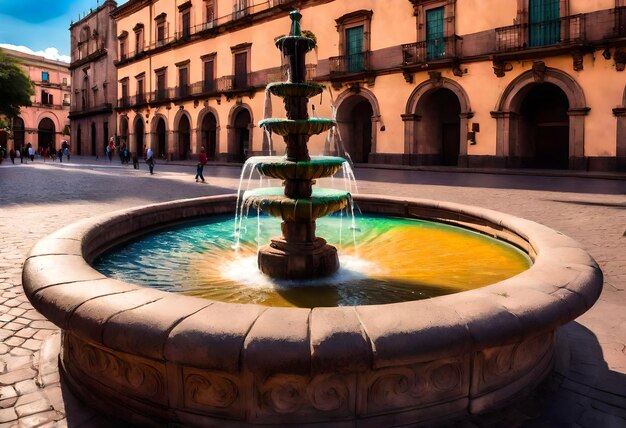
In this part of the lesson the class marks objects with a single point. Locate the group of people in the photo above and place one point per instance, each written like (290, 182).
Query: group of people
(26, 152)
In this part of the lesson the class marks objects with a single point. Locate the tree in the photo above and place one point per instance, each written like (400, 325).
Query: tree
(16, 87)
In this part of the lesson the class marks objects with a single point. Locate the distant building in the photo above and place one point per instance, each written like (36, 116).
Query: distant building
(44, 124)
(94, 82)
(481, 83)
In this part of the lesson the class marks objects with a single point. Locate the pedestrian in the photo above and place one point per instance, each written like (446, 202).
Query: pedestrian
(23, 154)
(60, 155)
(110, 150)
(135, 161)
(201, 162)
(18, 154)
(66, 152)
(44, 154)
(31, 152)
(150, 160)
(12, 156)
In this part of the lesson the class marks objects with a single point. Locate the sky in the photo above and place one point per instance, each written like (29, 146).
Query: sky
(41, 27)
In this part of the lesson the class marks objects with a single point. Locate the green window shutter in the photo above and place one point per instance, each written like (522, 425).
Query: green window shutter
(354, 50)
(544, 22)
(435, 44)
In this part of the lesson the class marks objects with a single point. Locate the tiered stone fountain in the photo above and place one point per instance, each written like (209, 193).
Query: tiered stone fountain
(298, 253)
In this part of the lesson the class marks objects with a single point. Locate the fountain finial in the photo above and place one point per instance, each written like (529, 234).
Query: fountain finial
(295, 16)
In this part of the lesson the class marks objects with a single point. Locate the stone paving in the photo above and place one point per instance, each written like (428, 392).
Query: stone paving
(587, 388)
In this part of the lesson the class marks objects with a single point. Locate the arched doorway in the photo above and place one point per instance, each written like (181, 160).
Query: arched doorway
(241, 140)
(161, 149)
(544, 128)
(354, 117)
(209, 135)
(18, 132)
(439, 132)
(94, 138)
(123, 132)
(184, 137)
(45, 134)
(139, 135)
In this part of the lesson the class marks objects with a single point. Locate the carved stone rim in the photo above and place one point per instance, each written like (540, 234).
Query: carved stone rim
(563, 283)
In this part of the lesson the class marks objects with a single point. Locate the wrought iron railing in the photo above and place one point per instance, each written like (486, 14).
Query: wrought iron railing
(619, 14)
(353, 63)
(428, 50)
(562, 31)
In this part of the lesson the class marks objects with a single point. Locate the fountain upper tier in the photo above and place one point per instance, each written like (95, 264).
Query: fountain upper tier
(288, 89)
(285, 127)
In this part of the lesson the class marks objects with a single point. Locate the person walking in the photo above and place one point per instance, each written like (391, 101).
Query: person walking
(31, 152)
(66, 152)
(60, 155)
(150, 160)
(23, 154)
(12, 156)
(110, 150)
(201, 162)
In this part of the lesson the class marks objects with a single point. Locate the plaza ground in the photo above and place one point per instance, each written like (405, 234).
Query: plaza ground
(587, 388)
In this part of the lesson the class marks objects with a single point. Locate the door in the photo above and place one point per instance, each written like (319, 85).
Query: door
(435, 46)
(544, 23)
(186, 24)
(354, 50)
(450, 141)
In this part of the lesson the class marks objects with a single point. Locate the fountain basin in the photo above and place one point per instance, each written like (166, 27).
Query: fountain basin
(292, 42)
(153, 357)
(317, 167)
(286, 89)
(286, 127)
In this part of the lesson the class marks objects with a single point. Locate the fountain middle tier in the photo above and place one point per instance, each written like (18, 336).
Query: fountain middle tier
(286, 127)
(280, 167)
(272, 201)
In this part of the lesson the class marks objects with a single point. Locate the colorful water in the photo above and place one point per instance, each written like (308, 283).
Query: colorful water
(383, 260)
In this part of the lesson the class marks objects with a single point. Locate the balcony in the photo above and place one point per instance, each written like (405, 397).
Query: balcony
(182, 91)
(619, 14)
(561, 32)
(441, 48)
(350, 64)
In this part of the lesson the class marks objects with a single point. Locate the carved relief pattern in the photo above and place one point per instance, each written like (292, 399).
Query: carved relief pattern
(285, 394)
(502, 364)
(409, 386)
(115, 371)
(210, 390)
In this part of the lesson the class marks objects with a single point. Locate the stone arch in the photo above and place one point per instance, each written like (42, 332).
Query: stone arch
(240, 137)
(620, 114)
(208, 138)
(159, 132)
(182, 135)
(353, 101)
(19, 132)
(138, 135)
(414, 129)
(509, 133)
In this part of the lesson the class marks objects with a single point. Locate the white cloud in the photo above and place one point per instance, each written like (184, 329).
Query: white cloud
(49, 53)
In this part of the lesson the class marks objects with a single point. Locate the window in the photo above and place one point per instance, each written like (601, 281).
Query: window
(124, 83)
(45, 76)
(241, 65)
(66, 99)
(141, 88)
(161, 84)
(46, 98)
(354, 42)
(161, 29)
(84, 92)
(185, 19)
(183, 79)
(209, 14)
(139, 38)
(123, 38)
(435, 45)
(544, 22)
(208, 73)
(65, 81)
(240, 9)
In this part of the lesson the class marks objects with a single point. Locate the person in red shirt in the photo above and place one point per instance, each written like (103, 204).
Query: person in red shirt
(201, 162)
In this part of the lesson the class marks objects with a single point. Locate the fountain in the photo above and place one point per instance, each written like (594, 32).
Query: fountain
(158, 358)
(298, 253)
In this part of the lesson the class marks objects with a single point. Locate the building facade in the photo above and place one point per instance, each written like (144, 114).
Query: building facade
(45, 123)
(94, 82)
(489, 83)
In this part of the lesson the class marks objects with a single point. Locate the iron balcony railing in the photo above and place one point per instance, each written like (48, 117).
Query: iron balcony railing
(562, 31)
(619, 14)
(353, 63)
(428, 50)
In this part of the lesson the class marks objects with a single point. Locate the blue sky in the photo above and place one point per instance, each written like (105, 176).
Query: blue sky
(41, 27)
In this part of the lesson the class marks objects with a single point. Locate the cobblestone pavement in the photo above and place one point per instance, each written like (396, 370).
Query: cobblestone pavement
(587, 388)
